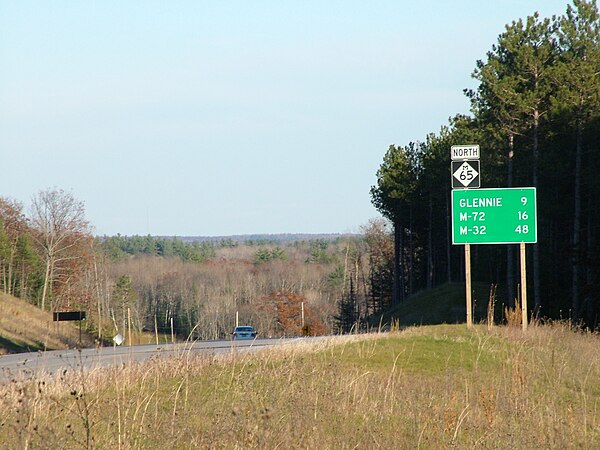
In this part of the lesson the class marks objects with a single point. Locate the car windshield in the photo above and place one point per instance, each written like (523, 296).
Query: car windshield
(250, 329)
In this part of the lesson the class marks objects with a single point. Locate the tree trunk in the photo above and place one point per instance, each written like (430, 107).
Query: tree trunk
(411, 254)
(591, 301)
(46, 281)
(10, 268)
(398, 287)
(510, 280)
(22, 290)
(448, 240)
(99, 295)
(577, 218)
(536, 248)
(430, 245)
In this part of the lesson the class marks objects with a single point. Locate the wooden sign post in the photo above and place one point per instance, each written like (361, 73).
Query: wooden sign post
(489, 216)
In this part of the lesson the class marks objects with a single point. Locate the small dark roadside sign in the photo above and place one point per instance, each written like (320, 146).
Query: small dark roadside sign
(60, 316)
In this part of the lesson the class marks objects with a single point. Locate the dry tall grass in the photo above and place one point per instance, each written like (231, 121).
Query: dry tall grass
(23, 326)
(428, 387)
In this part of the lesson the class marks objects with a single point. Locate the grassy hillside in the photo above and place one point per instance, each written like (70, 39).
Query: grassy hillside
(25, 328)
(426, 387)
(443, 304)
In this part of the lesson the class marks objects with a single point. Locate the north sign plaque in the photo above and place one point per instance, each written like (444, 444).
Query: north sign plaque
(460, 152)
(494, 216)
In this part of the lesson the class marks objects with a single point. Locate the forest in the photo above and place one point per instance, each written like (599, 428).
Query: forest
(192, 288)
(536, 116)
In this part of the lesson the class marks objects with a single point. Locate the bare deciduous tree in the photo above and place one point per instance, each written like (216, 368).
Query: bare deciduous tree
(59, 224)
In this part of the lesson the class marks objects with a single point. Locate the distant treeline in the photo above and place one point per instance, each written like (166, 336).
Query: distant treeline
(274, 239)
(200, 249)
(119, 247)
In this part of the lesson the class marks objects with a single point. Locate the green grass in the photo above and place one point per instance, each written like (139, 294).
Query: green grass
(429, 387)
(8, 345)
(443, 304)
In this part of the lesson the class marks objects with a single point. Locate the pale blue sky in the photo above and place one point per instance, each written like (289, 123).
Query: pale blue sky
(230, 117)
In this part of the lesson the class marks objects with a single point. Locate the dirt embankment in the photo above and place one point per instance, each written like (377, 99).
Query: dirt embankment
(24, 327)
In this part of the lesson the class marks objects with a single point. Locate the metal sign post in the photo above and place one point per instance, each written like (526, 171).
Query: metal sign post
(59, 316)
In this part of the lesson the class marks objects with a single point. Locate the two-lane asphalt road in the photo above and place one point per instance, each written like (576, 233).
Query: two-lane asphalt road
(22, 366)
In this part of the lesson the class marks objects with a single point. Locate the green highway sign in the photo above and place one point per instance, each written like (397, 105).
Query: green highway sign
(494, 216)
